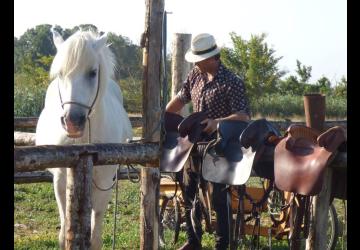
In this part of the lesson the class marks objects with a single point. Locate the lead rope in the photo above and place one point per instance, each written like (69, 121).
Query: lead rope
(115, 208)
(107, 189)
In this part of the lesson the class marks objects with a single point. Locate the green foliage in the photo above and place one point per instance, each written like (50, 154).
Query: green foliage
(291, 86)
(32, 45)
(28, 101)
(340, 89)
(288, 106)
(34, 52)
(128, 57)
(255, 63)
(303, 71)
(336, 106)
(132, 93)
(282, 106)
(324, 86)
(30, 84)
(252, 60)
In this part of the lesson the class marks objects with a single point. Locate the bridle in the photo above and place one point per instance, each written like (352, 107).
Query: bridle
(90, 108)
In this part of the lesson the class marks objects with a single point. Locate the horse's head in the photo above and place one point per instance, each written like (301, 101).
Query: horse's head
(81, 68)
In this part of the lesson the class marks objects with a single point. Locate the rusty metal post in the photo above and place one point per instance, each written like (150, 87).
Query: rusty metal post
(314, 105)
(78, 204)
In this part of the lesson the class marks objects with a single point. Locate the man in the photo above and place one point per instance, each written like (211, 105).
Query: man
(213, 89)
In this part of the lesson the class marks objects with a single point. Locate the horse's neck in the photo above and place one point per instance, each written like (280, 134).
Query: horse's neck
(110, 117)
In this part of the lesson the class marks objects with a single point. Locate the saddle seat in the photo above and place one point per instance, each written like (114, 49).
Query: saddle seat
(300, 158)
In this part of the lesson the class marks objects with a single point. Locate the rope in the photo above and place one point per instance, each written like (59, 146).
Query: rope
(137, 173)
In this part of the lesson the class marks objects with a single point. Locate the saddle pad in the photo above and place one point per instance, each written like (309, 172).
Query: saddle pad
(175, 152)
(255, 136)
(300, 162)
(181, 135)
(228, 170)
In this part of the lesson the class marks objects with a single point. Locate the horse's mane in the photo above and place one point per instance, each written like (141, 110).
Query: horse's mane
(77, 51)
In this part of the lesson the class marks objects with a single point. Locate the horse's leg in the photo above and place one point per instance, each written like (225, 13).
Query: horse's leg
(59, 181)
(103, 178)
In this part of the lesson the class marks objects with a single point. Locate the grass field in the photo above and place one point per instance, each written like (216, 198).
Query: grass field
(36, 219)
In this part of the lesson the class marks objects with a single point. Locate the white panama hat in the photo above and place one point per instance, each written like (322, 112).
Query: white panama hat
(203, 46)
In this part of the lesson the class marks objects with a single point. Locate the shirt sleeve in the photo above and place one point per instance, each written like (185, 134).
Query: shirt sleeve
(237, 97)
(184, 93)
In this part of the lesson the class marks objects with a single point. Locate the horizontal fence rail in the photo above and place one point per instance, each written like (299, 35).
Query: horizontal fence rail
(26, 139)
(34, 158)
(30, 122)
(46, 176)
(136, 121)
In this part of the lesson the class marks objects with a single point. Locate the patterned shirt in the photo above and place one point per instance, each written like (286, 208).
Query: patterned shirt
(221, 97)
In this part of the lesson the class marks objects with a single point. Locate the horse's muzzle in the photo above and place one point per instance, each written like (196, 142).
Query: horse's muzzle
(73, 124)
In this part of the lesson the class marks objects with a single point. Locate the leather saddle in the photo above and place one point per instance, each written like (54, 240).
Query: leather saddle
(257, 136)
(181, 135)
(225, 160)
(300, 158)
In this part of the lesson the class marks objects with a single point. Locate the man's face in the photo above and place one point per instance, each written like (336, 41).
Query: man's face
(206, 65)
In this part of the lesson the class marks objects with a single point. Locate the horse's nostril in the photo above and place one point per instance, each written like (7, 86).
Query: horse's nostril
(82, 119)
(76, 119)
(63, 121)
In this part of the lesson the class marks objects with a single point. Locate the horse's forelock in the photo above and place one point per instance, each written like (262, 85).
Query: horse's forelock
(78, 49)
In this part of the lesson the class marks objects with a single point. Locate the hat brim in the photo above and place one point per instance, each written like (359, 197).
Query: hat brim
(190, 57)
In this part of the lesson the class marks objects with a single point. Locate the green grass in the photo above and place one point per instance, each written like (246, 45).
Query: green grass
(36, 219)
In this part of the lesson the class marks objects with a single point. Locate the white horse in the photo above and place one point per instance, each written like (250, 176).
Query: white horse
(82, 96)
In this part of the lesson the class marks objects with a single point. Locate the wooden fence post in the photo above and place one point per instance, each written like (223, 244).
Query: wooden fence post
(179, 66)
(78, 204)
(314, 105)
(150, 177)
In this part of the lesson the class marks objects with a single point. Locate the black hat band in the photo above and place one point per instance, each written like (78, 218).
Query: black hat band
(204, 51)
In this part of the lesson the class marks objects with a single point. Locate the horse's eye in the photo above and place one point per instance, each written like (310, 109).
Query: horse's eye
(60, 74)
(92, 73)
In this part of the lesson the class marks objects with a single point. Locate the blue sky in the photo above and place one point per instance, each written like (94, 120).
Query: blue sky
(312, 31)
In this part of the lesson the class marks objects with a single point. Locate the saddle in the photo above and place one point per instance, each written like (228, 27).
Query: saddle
(339, 176)
(258, 136)
(300, 158)
(225, 160)
(181, 135)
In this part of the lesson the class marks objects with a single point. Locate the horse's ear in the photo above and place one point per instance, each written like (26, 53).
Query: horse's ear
(100, 42)
(57, 38)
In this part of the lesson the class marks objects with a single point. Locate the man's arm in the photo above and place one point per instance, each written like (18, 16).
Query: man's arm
(175, 105)
(211, 124)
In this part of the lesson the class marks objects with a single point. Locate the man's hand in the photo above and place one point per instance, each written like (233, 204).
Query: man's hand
(211, 125)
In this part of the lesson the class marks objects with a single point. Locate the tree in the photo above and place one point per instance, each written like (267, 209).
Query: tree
(32, 45)
(291, 86)
(304, 72)
(324, 85)
(340, 89)
(298, 85)
(128, 57)
(255, 63)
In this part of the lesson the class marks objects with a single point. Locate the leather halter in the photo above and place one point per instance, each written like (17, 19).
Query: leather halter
(90, 108)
